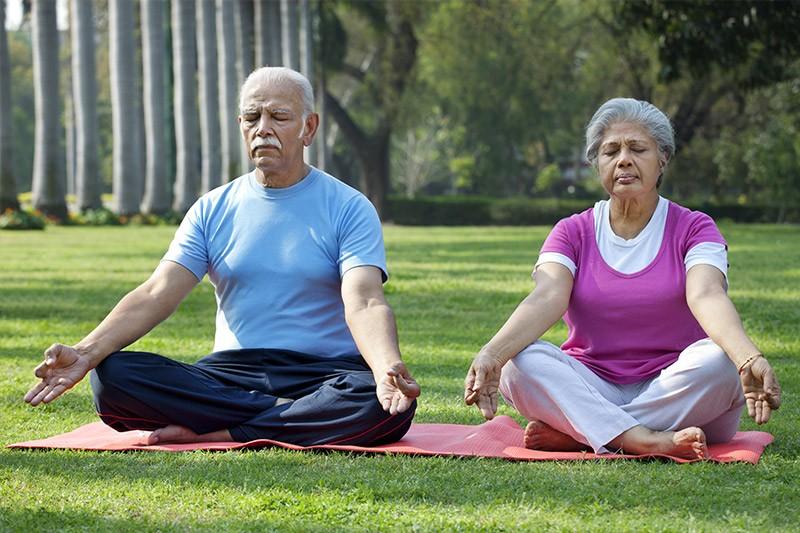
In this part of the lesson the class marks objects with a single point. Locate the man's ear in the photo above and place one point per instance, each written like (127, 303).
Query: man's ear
(310, 127)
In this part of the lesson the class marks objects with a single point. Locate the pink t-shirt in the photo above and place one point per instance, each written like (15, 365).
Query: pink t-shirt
(628, 327)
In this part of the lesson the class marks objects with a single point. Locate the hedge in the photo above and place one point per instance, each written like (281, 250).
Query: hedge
(485, 211)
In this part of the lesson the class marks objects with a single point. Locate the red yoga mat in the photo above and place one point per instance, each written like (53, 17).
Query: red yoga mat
(501, 438)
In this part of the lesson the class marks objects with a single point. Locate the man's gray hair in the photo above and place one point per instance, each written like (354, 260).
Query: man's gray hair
(279, 75)
(617, 110)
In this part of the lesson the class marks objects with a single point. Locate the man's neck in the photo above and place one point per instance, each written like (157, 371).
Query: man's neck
(282, 180)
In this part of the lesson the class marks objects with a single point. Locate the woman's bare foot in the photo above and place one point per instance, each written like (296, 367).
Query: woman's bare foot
(689, 443)
(540, 436)
(174, 434)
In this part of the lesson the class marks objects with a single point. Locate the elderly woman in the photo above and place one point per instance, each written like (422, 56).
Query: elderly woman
(656, 360)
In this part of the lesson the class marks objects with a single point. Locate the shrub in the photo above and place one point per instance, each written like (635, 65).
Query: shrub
(21, 219)
(482, 211)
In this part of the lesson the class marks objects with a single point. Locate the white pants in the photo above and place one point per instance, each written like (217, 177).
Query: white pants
(701, 388)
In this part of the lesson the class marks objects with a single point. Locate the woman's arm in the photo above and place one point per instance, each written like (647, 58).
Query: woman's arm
(542, 308)
(716, 314)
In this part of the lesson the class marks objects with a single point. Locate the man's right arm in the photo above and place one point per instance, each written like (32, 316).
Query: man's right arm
(137, 313)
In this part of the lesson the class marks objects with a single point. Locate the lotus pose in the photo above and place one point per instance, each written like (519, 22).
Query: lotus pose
(656, 360)
(306, 346)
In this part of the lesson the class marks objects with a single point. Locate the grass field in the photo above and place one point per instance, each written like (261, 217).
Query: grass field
(451, 288)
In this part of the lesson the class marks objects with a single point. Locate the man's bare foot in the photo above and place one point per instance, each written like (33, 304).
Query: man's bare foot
(540, 436)
(689, 443)
(174, 434)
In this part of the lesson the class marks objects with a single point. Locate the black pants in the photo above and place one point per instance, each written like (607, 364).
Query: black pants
(331, 401)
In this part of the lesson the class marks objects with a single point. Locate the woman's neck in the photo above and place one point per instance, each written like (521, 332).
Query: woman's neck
(628, 217)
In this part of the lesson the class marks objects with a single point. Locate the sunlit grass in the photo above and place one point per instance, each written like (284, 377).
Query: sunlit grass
(451, 288)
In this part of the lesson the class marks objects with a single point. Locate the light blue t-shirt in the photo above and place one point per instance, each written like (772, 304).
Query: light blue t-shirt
(276, 258)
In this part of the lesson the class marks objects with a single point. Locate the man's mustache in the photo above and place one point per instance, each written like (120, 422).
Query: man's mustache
(265, 141)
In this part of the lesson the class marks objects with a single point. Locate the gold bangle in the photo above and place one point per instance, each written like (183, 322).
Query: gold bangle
(748, 362)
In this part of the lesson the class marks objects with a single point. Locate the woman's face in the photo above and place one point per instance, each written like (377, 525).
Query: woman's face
(629, 162)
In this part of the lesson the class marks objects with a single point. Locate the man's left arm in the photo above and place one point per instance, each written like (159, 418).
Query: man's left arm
(371, 322)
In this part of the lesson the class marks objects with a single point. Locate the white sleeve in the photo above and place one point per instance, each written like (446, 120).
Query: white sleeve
(708, 253)
(555, 257)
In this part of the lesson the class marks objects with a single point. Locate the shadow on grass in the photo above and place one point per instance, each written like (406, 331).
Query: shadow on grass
(412, 482)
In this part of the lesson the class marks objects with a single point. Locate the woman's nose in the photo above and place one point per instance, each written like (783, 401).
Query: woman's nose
(624, 159)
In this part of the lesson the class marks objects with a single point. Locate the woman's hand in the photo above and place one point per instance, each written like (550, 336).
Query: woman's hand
(762, 392)
(482, 383)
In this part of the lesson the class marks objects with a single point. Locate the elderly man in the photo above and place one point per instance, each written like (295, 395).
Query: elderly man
(306, 345)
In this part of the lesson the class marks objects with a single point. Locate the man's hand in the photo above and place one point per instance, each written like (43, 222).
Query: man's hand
(397, 389)
(63, 367)
(761, 390)
(482, 383)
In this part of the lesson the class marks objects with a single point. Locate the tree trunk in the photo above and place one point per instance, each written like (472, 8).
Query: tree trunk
(228, 106)
(127, 174)
(8, 184)
(183, 51)
(84, 101)
(392, 72)
(290, 37)
(156, 190)
(267, 16)
(244, 39)
(371, 150)
(373, 160)
(209, 95)
(48, 183)
(69, 134)
(306, 37)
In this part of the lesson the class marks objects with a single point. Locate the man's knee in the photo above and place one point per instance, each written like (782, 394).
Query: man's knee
(115, 375)
(371, 423)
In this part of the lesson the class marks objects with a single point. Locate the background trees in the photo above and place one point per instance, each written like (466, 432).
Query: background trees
(8, 185)
(48, 185)
(485, 97)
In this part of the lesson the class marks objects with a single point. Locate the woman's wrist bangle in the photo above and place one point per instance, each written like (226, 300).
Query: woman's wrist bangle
(748, 362)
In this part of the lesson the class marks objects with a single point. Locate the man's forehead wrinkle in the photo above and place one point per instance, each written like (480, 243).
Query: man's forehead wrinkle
(273, 102)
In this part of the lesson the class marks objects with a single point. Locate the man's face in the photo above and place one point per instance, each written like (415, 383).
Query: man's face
(272, 126)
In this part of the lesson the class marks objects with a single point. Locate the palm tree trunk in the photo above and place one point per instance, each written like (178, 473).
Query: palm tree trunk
(209, 95)
(8, 184)
(306, 37)
(48, 182)
(156, 190)
(185, 97)
(84, 101)
(244, 63)
(267, 15)
(226, 65)
(290, 37)
(127, 178)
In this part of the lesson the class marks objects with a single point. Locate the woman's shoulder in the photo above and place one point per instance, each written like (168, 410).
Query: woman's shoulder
(576, 225)
(693, 227)
(685, 217)
(580, 220)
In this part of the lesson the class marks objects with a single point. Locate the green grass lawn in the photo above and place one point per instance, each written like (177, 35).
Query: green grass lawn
(451, 288)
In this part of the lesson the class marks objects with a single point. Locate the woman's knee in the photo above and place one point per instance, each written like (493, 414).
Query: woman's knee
(532, 365)
(711, 364)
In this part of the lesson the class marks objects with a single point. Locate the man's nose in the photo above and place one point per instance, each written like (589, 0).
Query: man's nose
(263, 128)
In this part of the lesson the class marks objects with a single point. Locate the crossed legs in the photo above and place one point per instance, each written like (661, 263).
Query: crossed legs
(248, 395)
(695, 401)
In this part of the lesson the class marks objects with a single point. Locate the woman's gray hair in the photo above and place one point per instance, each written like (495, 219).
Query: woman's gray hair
(282, 74)
(635, 111)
